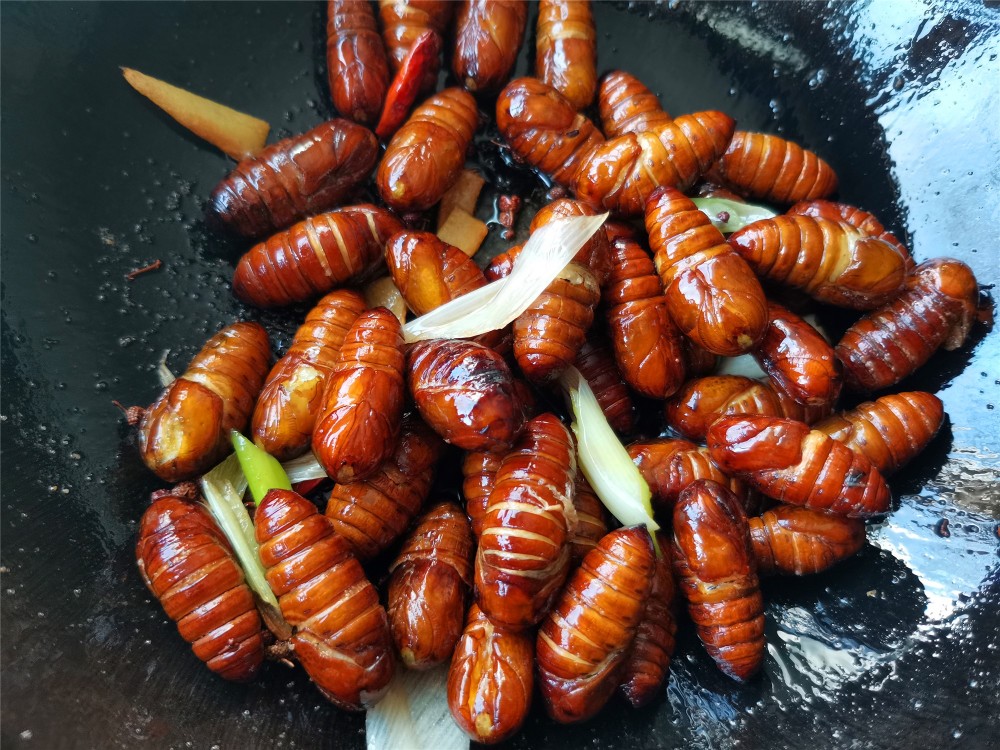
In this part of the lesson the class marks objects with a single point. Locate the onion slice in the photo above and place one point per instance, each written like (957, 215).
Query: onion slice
(223, 489)
(493, 306)
(603, 459)
(729, 216)
(414, 714)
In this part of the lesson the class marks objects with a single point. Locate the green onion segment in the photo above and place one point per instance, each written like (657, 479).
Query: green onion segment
(261, 469)
(223, 489)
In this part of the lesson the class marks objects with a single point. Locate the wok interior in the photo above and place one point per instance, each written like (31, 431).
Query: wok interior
(98, 183)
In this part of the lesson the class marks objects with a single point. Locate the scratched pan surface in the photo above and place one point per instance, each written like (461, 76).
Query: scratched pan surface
(896, 648)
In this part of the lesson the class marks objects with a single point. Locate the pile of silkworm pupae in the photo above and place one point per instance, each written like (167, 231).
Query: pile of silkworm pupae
(524, 583)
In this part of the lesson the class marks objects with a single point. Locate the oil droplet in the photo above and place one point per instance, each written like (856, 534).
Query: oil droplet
(818, 78)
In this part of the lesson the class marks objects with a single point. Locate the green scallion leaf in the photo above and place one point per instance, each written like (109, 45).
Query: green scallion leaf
(262, 470)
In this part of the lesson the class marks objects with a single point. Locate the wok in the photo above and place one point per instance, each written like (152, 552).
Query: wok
(898, 647)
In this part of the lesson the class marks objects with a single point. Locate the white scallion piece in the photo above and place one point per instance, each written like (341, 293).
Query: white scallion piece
(744, 365)
(223, 489)
(383, 293)
(163, 372)
(812, 320)
(603, 459)
(493, 306)
(304, 468)
(414, 714)
(729, 216)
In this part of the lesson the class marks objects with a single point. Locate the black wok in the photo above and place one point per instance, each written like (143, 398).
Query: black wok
(897, 648)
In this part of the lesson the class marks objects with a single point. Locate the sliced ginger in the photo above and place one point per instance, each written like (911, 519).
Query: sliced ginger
(237, 134)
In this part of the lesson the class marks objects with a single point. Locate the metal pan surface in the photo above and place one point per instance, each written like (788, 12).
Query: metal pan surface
(897, 648)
